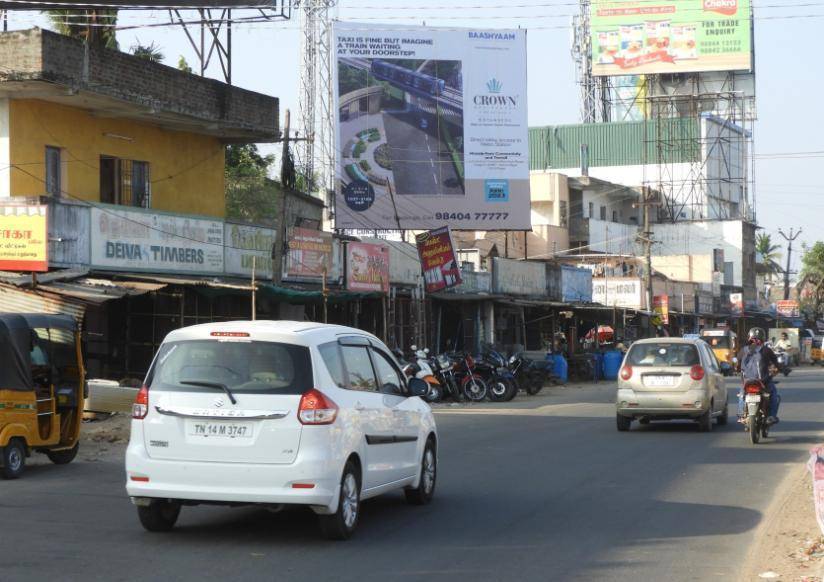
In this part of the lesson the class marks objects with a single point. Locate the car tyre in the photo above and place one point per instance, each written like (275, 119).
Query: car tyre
(14, 459)
(623, 423)
(63, 457)
(725, 415)
(341, 524)
(423, 493)
(705, 421)
(159, 516)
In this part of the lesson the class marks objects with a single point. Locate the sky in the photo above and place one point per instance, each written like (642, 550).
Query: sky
(789, 190)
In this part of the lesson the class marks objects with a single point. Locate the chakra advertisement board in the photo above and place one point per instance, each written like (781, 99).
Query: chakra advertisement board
(676, 36)
(431, 128)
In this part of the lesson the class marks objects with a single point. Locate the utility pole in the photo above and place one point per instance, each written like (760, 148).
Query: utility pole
(645, 237)
(789, 240)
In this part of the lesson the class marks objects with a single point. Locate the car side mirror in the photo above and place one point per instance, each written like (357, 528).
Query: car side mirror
(418, 387)
(390, 388)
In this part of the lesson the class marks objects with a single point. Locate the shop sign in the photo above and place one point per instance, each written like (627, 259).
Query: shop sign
(309, 255)
(367, 267)
(618, 292)
(787, 308)
(247, 246)
(439, 263)
(24, 238)
(135, 240)
(660, 308)
(736, 302)
(519, 277)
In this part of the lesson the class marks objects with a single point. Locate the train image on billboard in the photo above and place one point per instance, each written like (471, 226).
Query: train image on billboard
(406, 78)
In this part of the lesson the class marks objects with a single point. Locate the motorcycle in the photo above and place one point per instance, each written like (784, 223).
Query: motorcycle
(529, 375)
(426, 373)
(499, 378)
(756, 408)
(472, 385)
(445, 373)
(783, 361)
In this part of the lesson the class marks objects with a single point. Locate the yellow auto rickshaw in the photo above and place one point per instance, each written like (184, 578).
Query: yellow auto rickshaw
(817, 353)
(724, 343)
(41, 389)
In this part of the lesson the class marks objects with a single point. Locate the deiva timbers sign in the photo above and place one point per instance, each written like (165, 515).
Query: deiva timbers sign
(438, 260)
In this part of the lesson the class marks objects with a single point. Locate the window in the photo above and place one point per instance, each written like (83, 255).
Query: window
(563, 212)
(663, 354)
(54, 169)
(359, 366)
(389, 379)
(591, 210)
(603, 212)
(125, 182)
(334, 362)
(614, 216)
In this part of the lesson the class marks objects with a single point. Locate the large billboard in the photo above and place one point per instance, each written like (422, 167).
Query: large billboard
(137, 4)
(431, 128)
(675, 36)
(310, 254)
(24, 238)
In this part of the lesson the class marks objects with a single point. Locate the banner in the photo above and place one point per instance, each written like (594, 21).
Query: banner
(660, 309)
(367, 267)
(24, 238)
(246, 246)
(675, 36)
(438, 260)
(787, 308)
(310, 252)
(618, 292)
(736, 302)
(431, 128)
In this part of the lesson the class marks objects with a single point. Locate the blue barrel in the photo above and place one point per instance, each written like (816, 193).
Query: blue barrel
(612, 363)
(559, 367)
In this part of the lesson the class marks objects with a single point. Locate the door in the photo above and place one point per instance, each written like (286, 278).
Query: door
(402, 413)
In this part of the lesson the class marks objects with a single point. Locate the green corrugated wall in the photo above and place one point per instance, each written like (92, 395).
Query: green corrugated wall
(675, 140)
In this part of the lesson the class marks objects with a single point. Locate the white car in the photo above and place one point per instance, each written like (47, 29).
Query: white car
(273, 413)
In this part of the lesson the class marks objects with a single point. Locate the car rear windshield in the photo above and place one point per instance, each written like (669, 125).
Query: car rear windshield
(663, 354)
(717, 341)
(243, 366)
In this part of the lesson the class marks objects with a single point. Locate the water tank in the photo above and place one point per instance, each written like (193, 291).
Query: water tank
(612, 363)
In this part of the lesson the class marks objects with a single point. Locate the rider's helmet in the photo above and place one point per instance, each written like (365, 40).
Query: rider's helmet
(756, 334)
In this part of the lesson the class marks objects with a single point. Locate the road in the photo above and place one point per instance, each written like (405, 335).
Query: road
(544, 489)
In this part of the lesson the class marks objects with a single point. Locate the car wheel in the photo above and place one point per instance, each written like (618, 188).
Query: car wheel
(725, 414)
(623, 422)
(63, 457)
(341, 524)
(425, 490)
(705, 421)
(159, 516)
(14, 459)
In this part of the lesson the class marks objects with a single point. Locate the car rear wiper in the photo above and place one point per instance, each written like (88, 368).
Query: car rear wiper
(206, 384)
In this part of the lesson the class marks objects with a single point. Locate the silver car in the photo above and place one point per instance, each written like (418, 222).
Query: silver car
(669, 378)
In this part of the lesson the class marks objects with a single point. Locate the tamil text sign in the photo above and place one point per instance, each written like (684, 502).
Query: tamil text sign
(431, 128)
(247, 248)
(134, 240)
(367, 267)
(438, 261)
(618, 292)
(787, 308)
(24, 238)
(310, 254)
(675, 36)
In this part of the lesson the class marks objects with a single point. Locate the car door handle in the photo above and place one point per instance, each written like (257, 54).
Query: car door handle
(359, 406)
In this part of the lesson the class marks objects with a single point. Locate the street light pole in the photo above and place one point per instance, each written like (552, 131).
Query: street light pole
(789, 240)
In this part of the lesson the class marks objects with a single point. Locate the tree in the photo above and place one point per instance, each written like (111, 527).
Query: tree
(97, 27)
(811, 283)
(183, 65)
(150, 52)
(769, 252)
(250, 194)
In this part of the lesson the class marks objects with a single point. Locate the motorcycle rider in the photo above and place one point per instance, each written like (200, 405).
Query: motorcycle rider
(784, 343)
(766, 358)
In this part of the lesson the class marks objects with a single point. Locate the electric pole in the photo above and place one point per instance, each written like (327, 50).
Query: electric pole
(789, 240)
(645, 236)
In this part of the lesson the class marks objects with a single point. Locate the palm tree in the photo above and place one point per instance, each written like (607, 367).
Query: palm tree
(769, 252)
(150, 52)
(97, 27)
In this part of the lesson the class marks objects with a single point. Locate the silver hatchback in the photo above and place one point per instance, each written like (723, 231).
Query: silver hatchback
(671, 378)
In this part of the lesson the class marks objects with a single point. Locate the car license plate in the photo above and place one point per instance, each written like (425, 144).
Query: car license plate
(220, 429)
(659, 380)
(753, 398)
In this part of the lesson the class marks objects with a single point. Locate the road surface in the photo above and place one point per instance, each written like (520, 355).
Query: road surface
(541, 489)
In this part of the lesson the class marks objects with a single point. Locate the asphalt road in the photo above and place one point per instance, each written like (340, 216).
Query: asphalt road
(552, 492)
(423, 165)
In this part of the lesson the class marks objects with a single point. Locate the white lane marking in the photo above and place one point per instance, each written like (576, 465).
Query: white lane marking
(434, 177)
(431, 163)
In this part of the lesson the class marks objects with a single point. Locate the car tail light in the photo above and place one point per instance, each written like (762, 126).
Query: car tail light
(626, 372)
(752, 387)
(697, 372)
(315, 408)
(140, 408)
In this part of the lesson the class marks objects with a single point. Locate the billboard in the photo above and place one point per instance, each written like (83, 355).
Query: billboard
(675, 36)
(660, 309)
(310, 253)
(431, 128)
(787, 308)
(439, 262)
(367, 267)
(24, 238)
(140, 5)
(246, 247)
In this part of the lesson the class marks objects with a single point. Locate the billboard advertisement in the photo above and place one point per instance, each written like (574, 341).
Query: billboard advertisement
(310, 253)
(431, 128)
(787, 308)
(675, 36)
(367, 267)
(24, 238)
(246, 247)
(660, 309)
(439, 263)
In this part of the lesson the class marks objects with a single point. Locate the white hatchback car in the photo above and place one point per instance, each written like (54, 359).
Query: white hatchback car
(277, 412)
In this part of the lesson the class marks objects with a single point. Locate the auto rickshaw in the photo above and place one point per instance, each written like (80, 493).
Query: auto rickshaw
(817, 353)
(41, 389)
(724, 343)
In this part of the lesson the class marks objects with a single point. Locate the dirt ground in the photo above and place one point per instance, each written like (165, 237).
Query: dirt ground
(104, 435)
(789, 546)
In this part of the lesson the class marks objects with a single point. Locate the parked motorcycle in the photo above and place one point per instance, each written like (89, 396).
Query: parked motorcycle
(530, 375)
(445, 373)
(473, 386)
(500, 380)
(427, 374)
(756, 408)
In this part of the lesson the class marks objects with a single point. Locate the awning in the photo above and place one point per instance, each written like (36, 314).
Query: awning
(97, 291)
(16, 300)
(205, 281)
